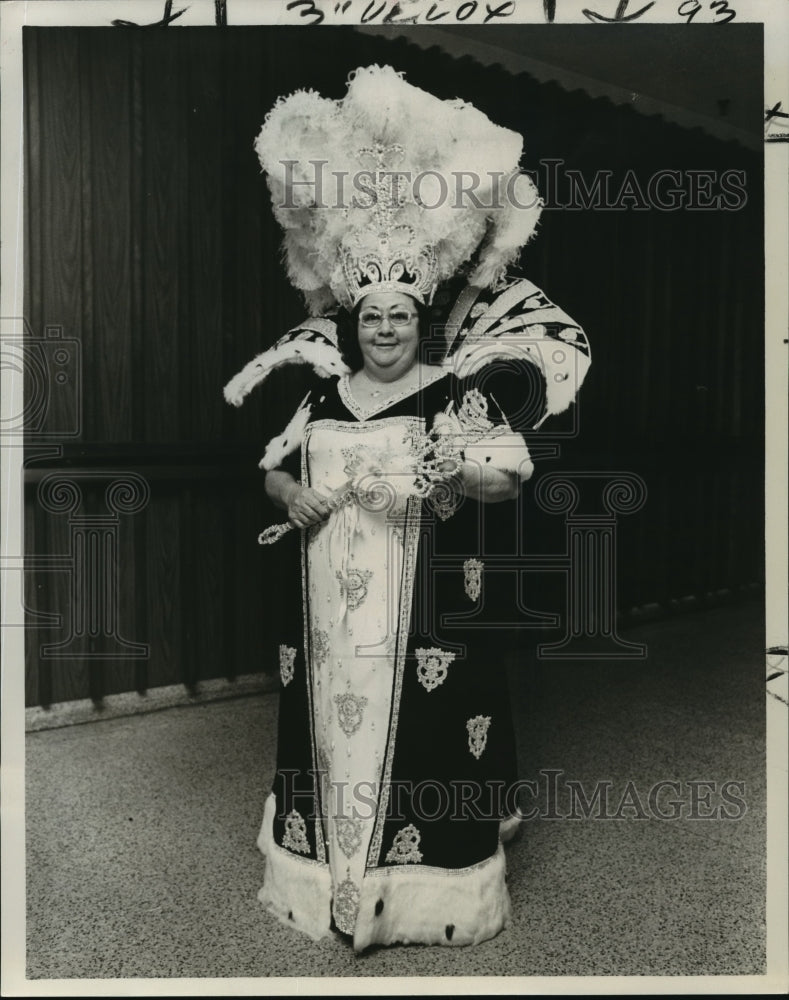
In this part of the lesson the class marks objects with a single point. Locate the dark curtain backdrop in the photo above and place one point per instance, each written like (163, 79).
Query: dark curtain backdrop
(150, 240)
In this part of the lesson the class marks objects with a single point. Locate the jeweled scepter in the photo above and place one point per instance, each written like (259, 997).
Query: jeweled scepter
(438, 454)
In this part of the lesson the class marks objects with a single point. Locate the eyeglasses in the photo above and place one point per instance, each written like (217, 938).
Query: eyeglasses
(370, 318)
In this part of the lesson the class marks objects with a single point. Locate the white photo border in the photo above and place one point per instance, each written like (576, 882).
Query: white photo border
(774, 14)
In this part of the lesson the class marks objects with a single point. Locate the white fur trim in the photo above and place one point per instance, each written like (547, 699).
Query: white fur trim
(565, 369)
(508, 828)
(507, 452)
(421, 903)
(296, 890)
(563, 366)
(515, 326)
(298, 346)
(289, 440)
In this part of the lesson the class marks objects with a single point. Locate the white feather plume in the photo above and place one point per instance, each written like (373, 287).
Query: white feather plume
(451, 145)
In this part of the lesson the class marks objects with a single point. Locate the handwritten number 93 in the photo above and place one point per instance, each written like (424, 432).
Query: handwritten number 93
(723, 13)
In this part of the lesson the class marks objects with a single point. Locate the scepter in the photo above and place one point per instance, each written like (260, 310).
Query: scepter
(345, 494)
(433, 449)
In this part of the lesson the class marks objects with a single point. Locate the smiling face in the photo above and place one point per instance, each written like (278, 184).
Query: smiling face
(388, 351)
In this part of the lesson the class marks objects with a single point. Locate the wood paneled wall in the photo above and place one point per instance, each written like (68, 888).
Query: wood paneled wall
(150, 243)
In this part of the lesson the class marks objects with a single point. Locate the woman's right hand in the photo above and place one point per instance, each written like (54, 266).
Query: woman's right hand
(306, 506)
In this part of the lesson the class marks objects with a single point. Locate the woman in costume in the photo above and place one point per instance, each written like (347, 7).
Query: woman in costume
(395, 747)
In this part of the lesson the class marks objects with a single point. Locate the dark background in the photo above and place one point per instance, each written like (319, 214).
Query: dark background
(150, 239)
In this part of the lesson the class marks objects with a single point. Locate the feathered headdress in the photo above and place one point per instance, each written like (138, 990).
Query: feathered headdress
(392, 187)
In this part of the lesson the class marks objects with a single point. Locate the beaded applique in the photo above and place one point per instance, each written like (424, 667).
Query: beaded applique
(349, 712)
(473, 413)
(432, 665)
(405, 847)
(320, 646)
(366, 460)
(472, 572)
(349, 834)
(354, 586)
(346, 904)
(353, 459)
(478, 734)
(287, 657)
(295, 838)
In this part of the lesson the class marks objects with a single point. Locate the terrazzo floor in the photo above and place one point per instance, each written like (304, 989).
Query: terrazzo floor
(141, 857)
